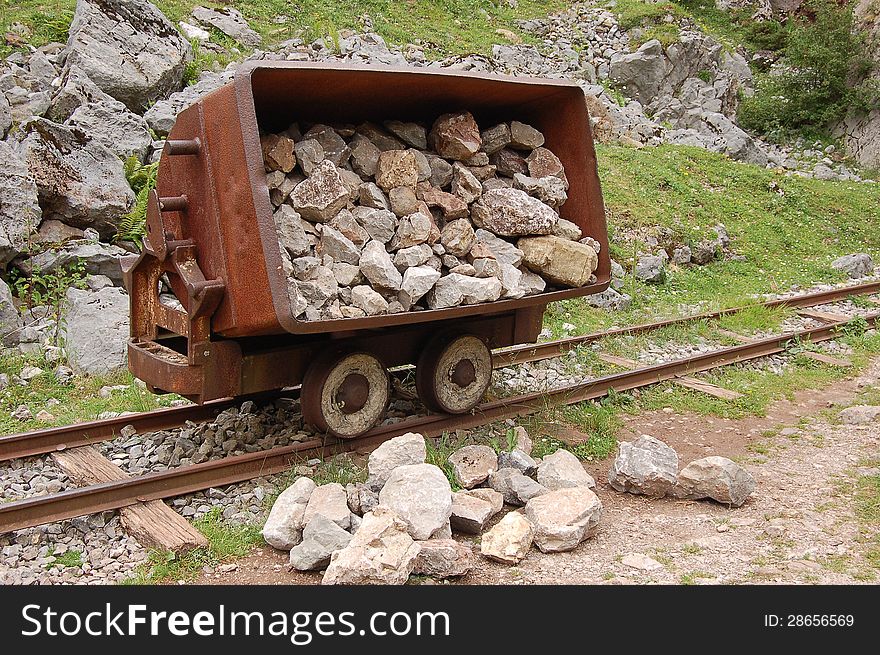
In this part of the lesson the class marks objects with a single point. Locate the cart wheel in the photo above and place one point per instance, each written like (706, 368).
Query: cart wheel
(345, 394)
(453, 373)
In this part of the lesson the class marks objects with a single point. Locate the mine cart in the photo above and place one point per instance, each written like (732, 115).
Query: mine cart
(212, 238)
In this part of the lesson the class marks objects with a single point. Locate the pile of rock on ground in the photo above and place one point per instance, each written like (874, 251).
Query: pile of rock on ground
(374, 220)
(402, 520)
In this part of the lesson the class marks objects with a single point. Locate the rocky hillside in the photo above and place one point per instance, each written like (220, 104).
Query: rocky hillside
(83, 115)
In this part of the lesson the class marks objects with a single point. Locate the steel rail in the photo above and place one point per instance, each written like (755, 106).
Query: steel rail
(29, 512)
(40, 442)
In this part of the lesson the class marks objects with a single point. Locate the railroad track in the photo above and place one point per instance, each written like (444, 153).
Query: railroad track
(128, 491)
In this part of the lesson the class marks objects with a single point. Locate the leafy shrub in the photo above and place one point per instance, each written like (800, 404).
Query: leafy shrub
(823, 76)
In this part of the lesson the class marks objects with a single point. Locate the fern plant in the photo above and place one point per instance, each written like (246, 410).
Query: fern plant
(142, 179)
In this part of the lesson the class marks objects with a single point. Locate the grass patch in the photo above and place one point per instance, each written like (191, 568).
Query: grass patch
(69, 558)
(339, 469)
(438, 452)
(225, 542)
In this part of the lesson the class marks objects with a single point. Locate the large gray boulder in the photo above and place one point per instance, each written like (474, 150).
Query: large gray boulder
(473, 464)
(20, 212)
(855, 265)
(564, 518)
(320, 539)
(129, 49)
(404, 450)
(79, 181)
(98, 259)
(229, 21)
(76, 89)
(5, 116)
(717, 478)
(420, 495)
(161, 116)
(562, 470)
(331, 502)
(641, 73)
(96, 330)
(516, 488)
(646, 466)
(10, 321)
(380, 552)
(284, 526)
(122, 132)
(444, 558)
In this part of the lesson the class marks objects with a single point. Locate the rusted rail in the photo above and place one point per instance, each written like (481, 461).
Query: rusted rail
(153, 486)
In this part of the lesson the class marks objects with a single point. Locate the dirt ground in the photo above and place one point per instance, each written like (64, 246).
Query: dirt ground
(798, 527)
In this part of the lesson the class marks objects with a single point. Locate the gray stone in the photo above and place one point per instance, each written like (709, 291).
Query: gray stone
(364, 156)
(380, 552)
(128, 49)
(412, 134)
(371, 302)
(420, 495)
(464, 184)
(20, 212)
(509, 162)
(549, 190)
(5, 116)
(455, 136)
(458, 237)
(495, 138)
(562, 470)
(404, 450)
(412, 256)
(377, 266)
(161, 116)
(370, 195)
(403, 201)
(10, 321)
(320, 539)
(651, 269)
(860, 414)
(229, 21)
(470, 513)
(283, 527)
(417, 281)
(519, 460)
(609, 299)
(331, 502)
(443, 558)
(646, 466)
(855, 266)
(441, 171)
(564, 518)
(321, 288)
(75, 90)
(524, 137)
(338, 246)
(717, 478)
(380, 138)
(123, 133)
(414, 229)
(510, 540)
(511, 212)
(97, 258)
(380, 224)
(516, 488)
(96, 330)
(454, 289)
(472, 465)
(322, 195)
(79, 181)
(309, 153)
(291, 235)
(334, 146)
(504, 251)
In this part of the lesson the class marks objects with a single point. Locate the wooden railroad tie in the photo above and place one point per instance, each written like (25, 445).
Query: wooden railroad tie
(734, 335)
(826, 359)
(825, 317)
(688, 382)
(153, 523)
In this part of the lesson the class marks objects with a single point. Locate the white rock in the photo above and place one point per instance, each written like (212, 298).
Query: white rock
(404, 450)
(564, 518)
(562, 470)
(283, 528)
(510, 540)
(647, 466)
(420, 495)
(473, 464)
(331, 502)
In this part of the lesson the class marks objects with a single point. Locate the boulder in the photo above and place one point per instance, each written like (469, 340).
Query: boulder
(516, 488)
(229, 21)
(455, 136)
(128, 49)
(96, 330)
(5, 116)
(380, 552)
(564, 518)
(561, 261)
(20, 212)
(98, 259)
(855, 266)
(544, 163)
(338, 246)
(380, 224)
(417, 281)
(331, 502)
(320, 539)
(465, 184)
(472, 465)
(10, 321)
(510, 540)
(646, 466)
(512, 212)
(75, 90)
(161, 116)
(320, 197)
(471, 513)
(283, 527)
(860, 414)
(717, 478)
(444, 558)
(641, 73)
(111, 124)
(651, 269)
(550, 191)
(420, 495)
(504, 251)
(79, 181)
(404, 450)
(562, 470)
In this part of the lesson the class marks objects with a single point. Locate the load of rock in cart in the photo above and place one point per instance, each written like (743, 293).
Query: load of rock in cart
(385, 219)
